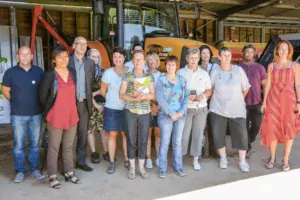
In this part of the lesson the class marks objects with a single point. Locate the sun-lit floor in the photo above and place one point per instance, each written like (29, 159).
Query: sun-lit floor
(208, 184)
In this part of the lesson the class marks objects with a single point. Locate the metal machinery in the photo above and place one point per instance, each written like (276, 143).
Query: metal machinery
(154, 24)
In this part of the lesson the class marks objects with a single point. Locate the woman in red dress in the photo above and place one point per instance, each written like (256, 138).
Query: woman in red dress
(281, 105)
(58, 97)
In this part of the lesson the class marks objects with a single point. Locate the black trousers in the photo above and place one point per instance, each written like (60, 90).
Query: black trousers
(254, 119)
(137, 130)
(82, 130)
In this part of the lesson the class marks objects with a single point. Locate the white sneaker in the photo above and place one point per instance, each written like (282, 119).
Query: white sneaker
(244, 167)
(197, 166)
(149, 163)
(157, 162)
(223, 163)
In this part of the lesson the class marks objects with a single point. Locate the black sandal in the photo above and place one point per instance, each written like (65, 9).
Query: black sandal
(126, 164)
(72, 177)
(52, 183)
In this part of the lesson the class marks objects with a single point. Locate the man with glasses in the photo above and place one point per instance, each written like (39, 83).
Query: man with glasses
(85, 69)
(137, 47)
(256, 74)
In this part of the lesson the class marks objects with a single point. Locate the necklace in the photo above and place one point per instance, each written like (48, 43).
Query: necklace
(230, 73)
(171, 79)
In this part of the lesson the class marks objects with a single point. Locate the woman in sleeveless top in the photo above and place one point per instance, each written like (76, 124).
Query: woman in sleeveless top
(281, 105)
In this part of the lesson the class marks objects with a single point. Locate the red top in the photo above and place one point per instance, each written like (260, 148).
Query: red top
(280, 122)
(64, 113)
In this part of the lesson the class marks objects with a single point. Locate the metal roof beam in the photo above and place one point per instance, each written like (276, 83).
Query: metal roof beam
(237, 9)
(231, 2)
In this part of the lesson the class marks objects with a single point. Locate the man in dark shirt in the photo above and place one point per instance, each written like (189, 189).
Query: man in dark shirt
(20, 87)
(256, 74)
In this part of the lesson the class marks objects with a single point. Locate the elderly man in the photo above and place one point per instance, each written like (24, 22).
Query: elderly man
(85, 69)
(20, 87)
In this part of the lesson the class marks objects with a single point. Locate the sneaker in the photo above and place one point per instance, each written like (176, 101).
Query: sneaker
(149, 163)
(181, 173)
(95, 159)
(111, 168)
(157, 162)
(244, 166)
(223, 163)
(197, 166)
(131, 173)
(19, 178)
(144, 174)
(38, 175)
(162, 175)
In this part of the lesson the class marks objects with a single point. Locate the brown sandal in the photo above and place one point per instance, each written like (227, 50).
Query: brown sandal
(269, 164)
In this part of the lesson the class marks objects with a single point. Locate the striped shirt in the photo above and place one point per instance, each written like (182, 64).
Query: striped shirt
(140, 107)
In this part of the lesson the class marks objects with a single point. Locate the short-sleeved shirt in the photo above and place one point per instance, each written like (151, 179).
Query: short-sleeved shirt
(24, 87)
(156, 76)
(141, 107)
(113, 80)
(198, 80)
(130, 66)
(80, 73)
(256, 73)
(227, 99)
(211, 67)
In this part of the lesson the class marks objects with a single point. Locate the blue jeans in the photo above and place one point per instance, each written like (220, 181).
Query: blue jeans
(169, 128)
(22, 126)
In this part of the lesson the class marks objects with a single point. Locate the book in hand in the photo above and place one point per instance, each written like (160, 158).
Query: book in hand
(141, 85)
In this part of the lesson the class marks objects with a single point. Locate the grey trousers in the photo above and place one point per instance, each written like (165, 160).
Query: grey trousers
(82, 131)
(194, 124)
(66, 137)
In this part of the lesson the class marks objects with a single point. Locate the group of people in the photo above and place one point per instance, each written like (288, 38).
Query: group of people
(78, 98)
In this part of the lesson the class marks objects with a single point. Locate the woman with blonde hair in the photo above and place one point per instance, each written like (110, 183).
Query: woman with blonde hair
(281, 104)
(153, 62)
(96, 119)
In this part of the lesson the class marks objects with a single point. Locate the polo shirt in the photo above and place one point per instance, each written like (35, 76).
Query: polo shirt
(198, 80)
(24, 91)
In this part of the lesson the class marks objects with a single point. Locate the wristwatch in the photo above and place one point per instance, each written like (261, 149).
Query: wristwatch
(298, 102)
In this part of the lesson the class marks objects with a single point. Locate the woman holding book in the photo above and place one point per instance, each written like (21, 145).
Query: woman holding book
(137, 90)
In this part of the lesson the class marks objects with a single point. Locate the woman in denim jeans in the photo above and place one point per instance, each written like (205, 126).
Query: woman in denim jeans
(172, 96)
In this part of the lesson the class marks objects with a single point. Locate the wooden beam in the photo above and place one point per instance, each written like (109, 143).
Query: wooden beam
(232, 2)
(237, 9)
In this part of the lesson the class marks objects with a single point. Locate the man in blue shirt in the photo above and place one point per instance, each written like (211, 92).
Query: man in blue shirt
(20, 87)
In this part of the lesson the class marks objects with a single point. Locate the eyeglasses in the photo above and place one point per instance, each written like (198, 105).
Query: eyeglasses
(81, 44)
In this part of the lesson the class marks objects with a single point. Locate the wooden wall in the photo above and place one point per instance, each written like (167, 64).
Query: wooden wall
(72, 24)
(208, 33)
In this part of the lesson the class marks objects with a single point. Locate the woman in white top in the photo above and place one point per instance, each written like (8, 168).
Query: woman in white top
(199, 85)
(153, 62)
(114, 106)
(205, 63)
(227, 105)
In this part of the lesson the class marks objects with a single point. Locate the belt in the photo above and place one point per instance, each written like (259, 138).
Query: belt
(81, 100)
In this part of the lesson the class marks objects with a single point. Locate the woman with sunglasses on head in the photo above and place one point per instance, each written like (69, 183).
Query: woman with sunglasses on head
(96, 119)
(227, 105)
(281, 104)
(153, 62)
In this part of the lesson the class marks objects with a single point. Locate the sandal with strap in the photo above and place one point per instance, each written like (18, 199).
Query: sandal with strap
(269, 164)
(72, 177)
(285, 167)
(126, 164)
(54, 183)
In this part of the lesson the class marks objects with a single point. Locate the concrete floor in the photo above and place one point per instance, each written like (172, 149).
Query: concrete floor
(100, 185)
